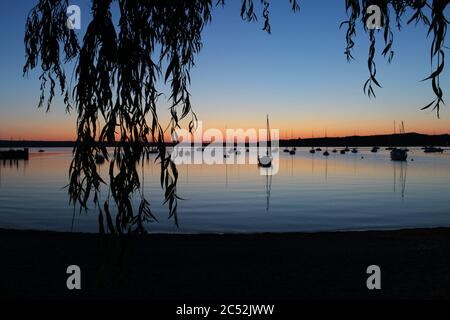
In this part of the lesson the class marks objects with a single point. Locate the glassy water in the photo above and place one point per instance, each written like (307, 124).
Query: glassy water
(310, 193)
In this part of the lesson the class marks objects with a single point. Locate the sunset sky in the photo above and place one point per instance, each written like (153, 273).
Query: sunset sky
(298, 75)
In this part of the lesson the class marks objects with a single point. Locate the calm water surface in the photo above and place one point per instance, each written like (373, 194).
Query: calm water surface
(309, 193)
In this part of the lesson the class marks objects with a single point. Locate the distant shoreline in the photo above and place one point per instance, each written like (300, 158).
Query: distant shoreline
(274, 267)
(408, 139)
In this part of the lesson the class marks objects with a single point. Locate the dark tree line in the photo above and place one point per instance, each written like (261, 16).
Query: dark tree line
(117, 68)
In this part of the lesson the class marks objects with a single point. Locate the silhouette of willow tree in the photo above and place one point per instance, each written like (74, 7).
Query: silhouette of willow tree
(118, 67)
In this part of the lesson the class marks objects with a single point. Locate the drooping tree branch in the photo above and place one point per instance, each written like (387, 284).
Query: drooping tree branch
(118, 67)
(437, 28)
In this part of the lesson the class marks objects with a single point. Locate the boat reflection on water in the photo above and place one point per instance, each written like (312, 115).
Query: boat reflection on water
(19, 165)
(268, 173)
(308, 192)
(400, 178)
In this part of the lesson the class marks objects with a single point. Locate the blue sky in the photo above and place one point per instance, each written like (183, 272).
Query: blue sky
(298, 74)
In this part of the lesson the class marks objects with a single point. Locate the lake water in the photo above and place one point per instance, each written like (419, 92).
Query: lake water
(309, 193)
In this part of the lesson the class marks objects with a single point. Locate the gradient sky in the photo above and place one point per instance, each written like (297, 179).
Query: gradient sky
(298, 75)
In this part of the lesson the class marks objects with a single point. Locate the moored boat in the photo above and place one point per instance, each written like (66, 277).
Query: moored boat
(433, 150)
(399, 154)
(266, 160)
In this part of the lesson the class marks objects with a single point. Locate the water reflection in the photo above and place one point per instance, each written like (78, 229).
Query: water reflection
(310, 192)
(268, 173)
(400, 179)
(16, 164)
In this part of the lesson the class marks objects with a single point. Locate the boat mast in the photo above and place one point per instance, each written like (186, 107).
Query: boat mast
(269, 139)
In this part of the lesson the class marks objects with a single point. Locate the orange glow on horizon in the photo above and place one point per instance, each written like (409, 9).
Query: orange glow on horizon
(65, 134)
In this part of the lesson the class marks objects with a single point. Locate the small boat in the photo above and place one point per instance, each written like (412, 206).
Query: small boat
(266, 160)
(326, 153)
(318, 149)
(433, 150)
(286, 150)
(41, 151)
(343, 151)
(292, 151)
(346, 149)
(13, 154)
(313, 150)
(399, 154)
(354, 150)
(374, 149)
(99, 159)
(334, 150)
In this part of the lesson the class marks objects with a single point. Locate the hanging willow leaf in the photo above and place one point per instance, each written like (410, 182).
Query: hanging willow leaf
(437, 27)
(118, 66)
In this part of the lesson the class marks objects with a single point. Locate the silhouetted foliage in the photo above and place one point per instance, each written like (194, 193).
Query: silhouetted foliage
(430, 13)
(118, 67)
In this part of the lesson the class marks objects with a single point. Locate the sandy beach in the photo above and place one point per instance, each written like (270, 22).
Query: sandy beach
(414, 263)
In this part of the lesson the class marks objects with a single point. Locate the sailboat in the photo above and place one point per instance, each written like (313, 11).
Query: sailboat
(390, 148)
(294, 149)
(266, 160)
(286, 149)
(312, 148)
(400, 154)
(326, 153)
